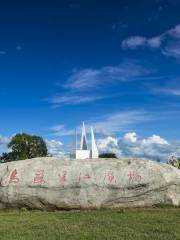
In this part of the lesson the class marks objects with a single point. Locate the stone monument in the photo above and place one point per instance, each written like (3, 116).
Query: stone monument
(51, 183)
(84, 152)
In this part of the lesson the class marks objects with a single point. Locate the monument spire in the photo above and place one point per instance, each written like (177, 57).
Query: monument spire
(74, 145)
(83, 138)
(94, 150)
(84, 152)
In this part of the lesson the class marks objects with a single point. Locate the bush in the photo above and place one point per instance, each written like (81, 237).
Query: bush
(107, 155)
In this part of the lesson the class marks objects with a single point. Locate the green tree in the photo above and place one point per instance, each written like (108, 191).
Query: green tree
(25, 146)
(107, 155)
(174, 161)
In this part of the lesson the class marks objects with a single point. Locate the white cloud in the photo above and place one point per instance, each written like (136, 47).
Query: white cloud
(168, 91)
(4, 140)
(174, 32)
(85, 85)
(155, 42)
(83, 79)
(103, 143)
(138, 41)
(120, 121)
(56, 148)
(3, 144)
(94, 78)
(108, 144)
(130, 137)
(108, 124)
(172, 50)
(154, 139)
(168, 42)
(134, 42)
(130, 145)
(60, 130)
(73, 99)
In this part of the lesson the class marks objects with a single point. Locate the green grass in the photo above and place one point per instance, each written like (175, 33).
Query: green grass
(131, 224)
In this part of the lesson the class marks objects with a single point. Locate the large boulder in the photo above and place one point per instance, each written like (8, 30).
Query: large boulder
(51, 183)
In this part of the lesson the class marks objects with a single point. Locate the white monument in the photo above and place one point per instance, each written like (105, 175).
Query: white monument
(84, 152)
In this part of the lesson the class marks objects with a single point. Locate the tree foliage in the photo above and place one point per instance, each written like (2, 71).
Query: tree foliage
(107, 155)
(25, 146)
(174, 161)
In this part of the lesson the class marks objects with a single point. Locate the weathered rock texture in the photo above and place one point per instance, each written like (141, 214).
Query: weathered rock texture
(50, 183)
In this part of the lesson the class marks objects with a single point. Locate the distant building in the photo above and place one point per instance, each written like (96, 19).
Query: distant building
(84, 152)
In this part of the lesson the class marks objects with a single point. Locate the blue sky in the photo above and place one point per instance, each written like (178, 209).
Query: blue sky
(113, 64)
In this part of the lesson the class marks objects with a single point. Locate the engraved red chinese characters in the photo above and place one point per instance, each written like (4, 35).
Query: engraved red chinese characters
(62, 177)
(13, 177)
(134, 176)
(109, 176)
(83, 176)
(39, 177)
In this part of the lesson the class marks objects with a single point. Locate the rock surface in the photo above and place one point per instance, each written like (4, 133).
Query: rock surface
(51, 183)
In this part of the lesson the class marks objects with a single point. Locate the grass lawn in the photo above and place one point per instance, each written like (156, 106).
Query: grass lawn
(149, 223)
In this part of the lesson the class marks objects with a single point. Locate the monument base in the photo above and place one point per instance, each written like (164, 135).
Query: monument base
(83, 154)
